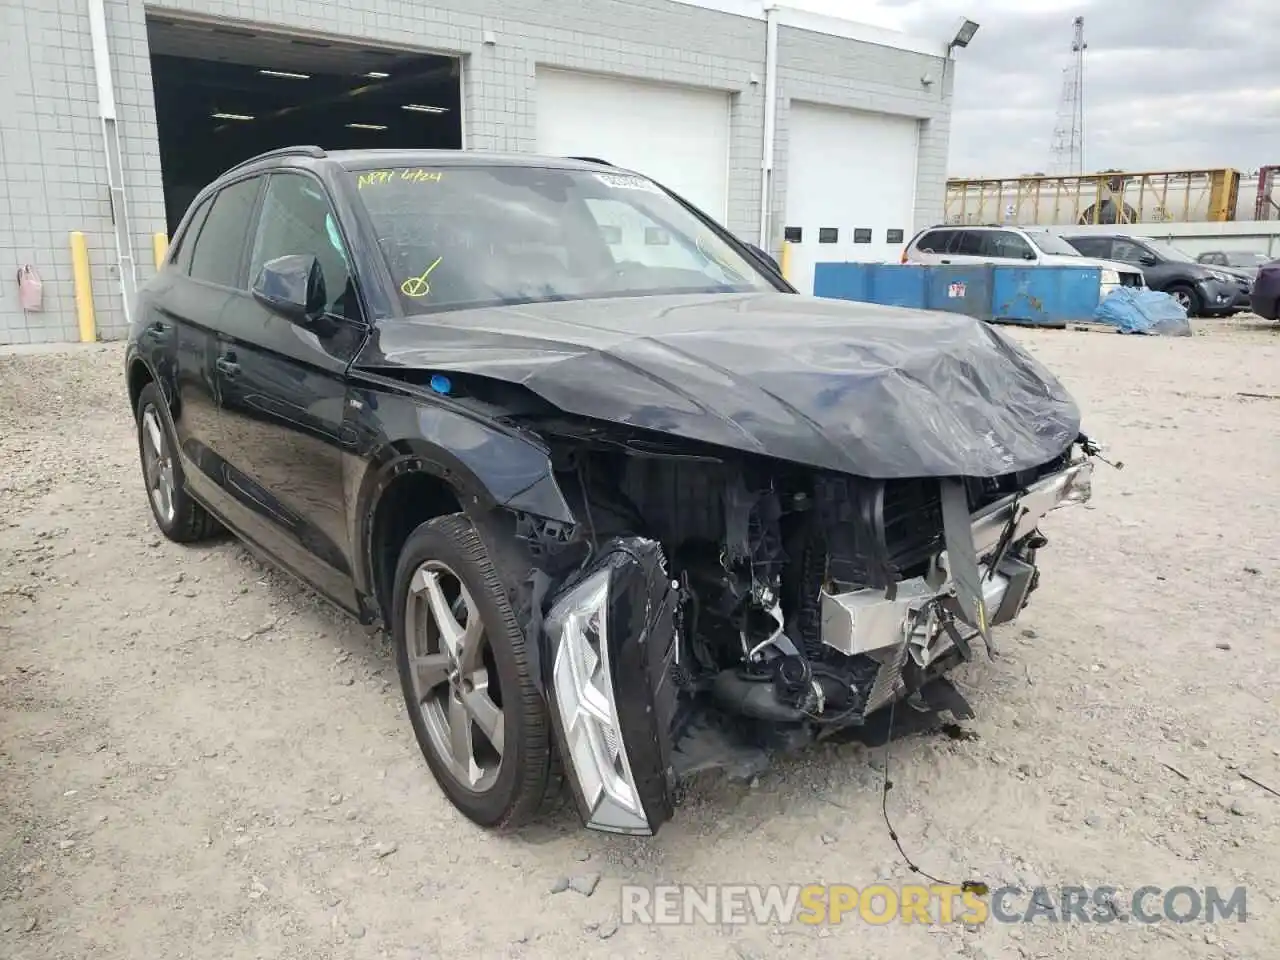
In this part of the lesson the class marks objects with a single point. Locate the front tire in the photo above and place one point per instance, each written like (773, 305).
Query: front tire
(458, 611)
(178, 516)
(1187, 298)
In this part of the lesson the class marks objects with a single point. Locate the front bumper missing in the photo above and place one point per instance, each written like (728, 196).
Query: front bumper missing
(612, 643)
(914, 623)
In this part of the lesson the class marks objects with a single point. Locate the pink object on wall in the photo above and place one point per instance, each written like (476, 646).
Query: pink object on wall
(30, 288)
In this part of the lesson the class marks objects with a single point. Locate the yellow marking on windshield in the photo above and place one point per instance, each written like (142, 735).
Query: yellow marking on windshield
(418, 286)
(374, 178)
(421, 176)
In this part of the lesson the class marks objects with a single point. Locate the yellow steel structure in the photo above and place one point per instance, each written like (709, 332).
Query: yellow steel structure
(159, 247)
(1180, 196)
(85, 316)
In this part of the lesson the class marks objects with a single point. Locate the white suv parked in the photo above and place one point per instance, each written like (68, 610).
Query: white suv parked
(1009, 245)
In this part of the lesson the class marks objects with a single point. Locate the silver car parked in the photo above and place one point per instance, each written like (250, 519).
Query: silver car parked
(1012, 245)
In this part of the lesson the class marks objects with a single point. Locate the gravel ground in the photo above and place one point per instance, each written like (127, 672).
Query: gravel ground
(200, 759)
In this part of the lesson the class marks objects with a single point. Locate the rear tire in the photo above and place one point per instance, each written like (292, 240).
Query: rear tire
(501, 781)
(177, 515)
(1187, 298)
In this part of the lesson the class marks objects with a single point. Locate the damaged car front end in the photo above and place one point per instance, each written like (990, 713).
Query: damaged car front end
(772, 611)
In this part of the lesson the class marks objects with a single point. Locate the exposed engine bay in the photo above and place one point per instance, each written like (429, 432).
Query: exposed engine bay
(797, 599)
(776, 569)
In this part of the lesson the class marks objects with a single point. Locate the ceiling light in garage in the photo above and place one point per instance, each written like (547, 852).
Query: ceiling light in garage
(366, 126)
(377, 75)
(423, 108)
(231, 116)
(285, 74)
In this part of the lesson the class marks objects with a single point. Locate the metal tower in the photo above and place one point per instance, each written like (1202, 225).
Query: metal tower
(1067, 149)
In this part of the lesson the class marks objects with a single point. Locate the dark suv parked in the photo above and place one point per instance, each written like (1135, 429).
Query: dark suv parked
(628, 505)
(1202, 291)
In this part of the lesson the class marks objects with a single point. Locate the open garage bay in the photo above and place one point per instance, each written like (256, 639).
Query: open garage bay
(199, 759)
(225, 93)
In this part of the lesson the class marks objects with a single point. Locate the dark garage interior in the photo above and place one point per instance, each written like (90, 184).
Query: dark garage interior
(224, 94)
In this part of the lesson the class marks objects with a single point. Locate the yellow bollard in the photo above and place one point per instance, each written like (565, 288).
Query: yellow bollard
(160, 248)
(784, 261)
(84, 288)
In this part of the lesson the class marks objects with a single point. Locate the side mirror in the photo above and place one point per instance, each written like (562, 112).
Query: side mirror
(293, 287)
(766, 258)
(1147, 260)
(1028, 255)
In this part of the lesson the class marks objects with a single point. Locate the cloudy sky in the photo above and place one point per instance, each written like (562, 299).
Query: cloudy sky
(1169, 84)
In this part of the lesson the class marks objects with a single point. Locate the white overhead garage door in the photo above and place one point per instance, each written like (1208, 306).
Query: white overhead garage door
(679, 136)
(851, 180)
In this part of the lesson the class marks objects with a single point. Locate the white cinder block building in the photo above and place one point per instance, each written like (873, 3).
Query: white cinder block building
(113, 113)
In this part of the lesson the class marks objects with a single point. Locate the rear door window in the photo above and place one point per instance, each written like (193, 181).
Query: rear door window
(1092, 246)
(220, 245)
(969, 243)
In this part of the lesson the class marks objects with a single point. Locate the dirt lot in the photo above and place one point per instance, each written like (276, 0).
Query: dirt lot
(199, 759)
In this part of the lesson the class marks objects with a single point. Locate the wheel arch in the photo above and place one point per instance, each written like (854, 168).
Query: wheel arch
(138, 375)
(411, 481)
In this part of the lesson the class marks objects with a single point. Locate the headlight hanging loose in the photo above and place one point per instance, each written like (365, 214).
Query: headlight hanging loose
(582, 679)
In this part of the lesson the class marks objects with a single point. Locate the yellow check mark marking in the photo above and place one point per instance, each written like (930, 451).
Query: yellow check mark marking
(418, 286)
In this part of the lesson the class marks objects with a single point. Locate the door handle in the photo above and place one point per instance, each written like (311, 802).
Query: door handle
(227, 366)
(945, 261)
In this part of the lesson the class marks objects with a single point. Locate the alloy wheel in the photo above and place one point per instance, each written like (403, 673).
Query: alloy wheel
(157, 466)
(453, 675)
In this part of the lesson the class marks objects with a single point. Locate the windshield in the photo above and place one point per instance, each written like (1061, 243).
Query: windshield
(456, 237)
(1054, 244)
(1170, 252)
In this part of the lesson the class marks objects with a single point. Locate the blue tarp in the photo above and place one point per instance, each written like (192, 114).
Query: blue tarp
(1139, 310)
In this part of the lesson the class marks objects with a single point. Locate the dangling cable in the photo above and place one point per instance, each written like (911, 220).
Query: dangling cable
(977, 886)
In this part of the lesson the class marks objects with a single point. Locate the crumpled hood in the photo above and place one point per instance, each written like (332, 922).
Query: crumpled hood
(876, 391)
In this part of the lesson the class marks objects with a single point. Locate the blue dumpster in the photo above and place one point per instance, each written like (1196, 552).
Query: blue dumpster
(1043, 296)
(895, 287)
(956, 289)
(883, 283)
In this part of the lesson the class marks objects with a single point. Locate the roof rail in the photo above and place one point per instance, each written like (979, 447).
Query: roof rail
(605, 163)
(302, 151)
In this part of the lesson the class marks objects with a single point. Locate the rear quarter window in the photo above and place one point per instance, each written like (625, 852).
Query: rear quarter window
(184, 243)
(934, 241)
